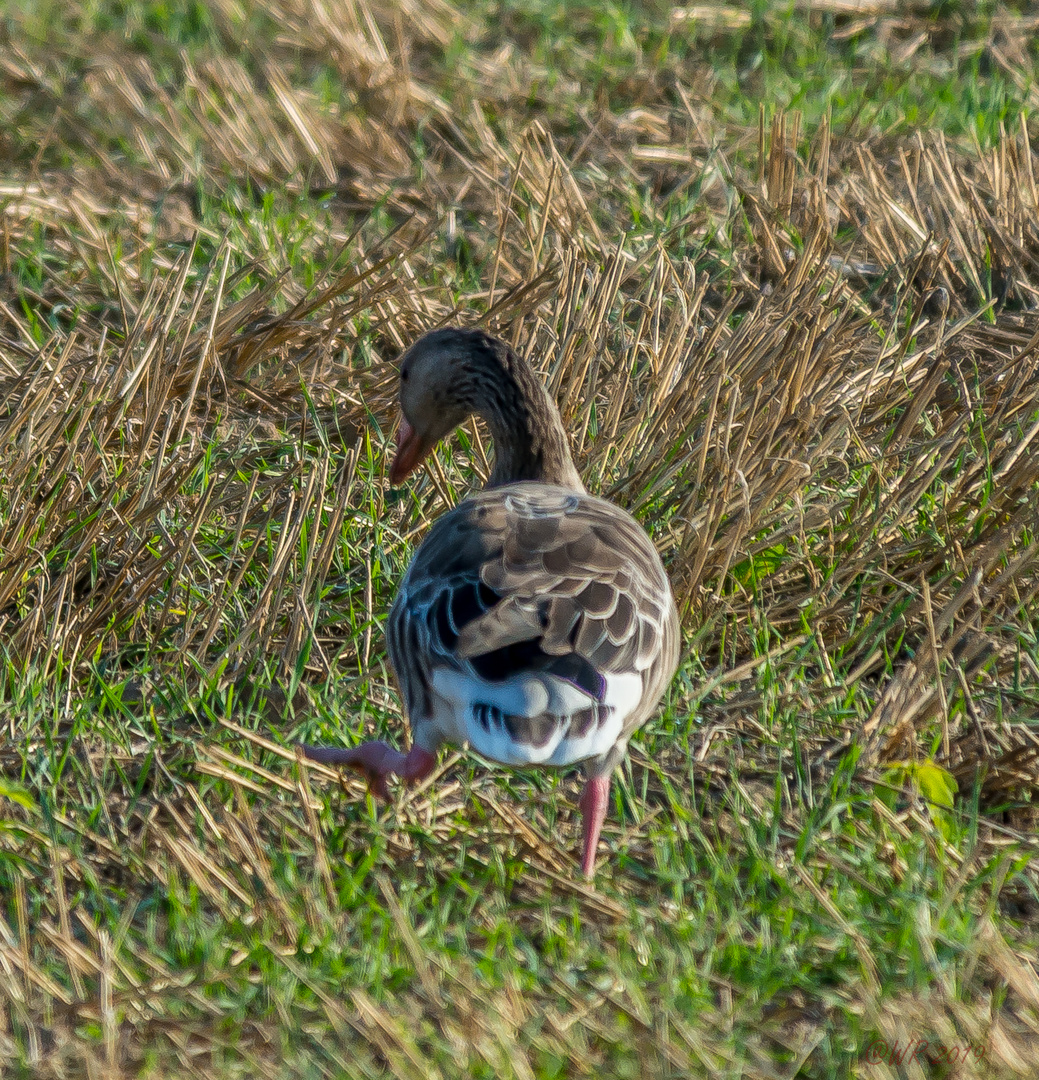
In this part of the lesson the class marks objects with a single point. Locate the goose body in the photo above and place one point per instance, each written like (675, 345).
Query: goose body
(535, 623)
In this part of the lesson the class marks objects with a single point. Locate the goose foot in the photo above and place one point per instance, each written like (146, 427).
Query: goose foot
(593, 803)
(378, 761)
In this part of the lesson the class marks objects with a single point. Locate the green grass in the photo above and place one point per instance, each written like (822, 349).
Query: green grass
(261, 948)
(218, 227)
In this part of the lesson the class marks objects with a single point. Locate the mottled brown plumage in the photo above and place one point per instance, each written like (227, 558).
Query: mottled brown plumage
(535, 622)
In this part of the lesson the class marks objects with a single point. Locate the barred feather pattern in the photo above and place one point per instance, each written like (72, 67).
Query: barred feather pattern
(535, 623)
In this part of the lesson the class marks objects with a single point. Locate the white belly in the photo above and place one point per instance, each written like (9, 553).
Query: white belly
(474, 711)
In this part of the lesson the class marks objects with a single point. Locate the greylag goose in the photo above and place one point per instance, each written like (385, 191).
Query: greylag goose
(535, 622)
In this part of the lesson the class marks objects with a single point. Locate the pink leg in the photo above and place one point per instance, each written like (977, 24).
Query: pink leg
(378, 761)
(593, 803)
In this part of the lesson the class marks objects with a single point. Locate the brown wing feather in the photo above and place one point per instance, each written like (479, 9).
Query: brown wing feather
(573, 571)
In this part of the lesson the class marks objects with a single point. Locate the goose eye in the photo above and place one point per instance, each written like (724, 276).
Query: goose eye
(404, 375)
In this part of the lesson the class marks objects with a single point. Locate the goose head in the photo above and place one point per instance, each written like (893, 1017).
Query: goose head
(436, 395)
(451, 374)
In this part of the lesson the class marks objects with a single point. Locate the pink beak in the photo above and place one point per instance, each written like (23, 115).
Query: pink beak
(410, 453)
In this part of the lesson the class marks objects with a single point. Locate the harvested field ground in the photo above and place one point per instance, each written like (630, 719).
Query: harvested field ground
(780, 268)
